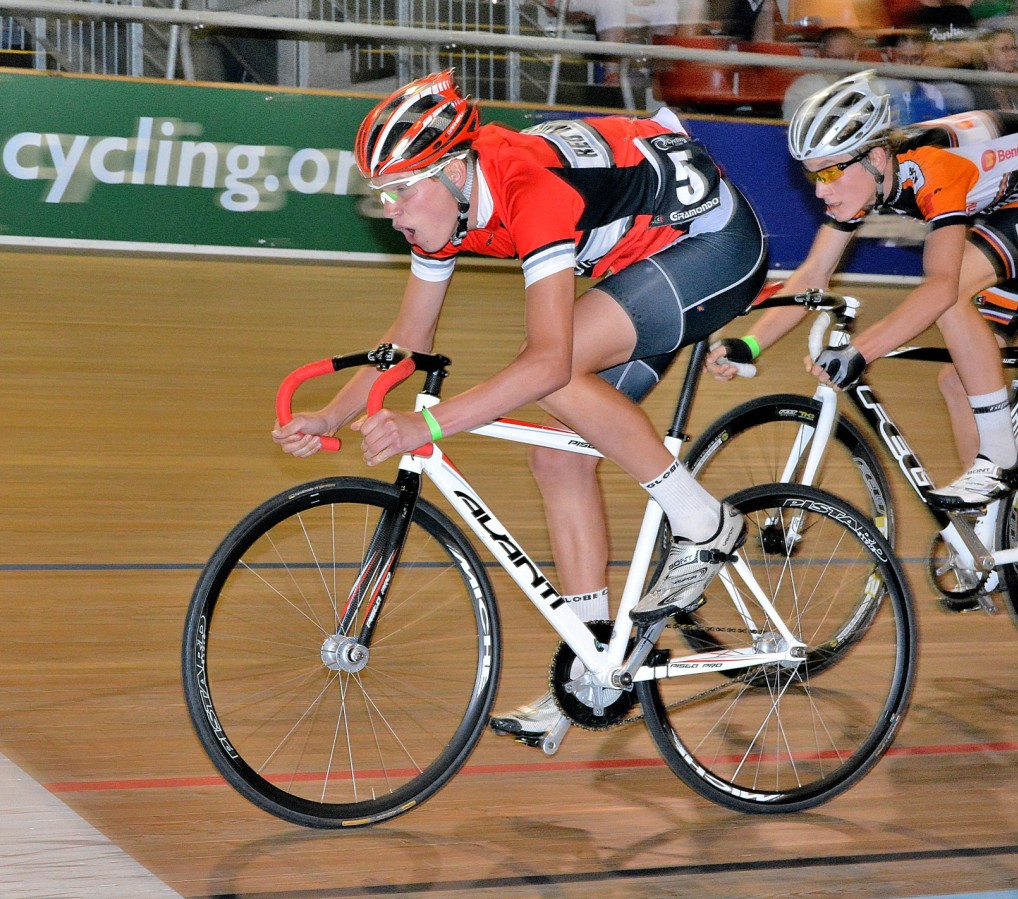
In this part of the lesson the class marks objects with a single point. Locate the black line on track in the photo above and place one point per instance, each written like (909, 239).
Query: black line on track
(593, 877)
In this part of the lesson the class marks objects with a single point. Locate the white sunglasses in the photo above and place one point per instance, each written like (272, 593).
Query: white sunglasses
(396, 191)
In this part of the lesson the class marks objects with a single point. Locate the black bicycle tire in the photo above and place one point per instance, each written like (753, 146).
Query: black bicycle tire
(887, 713)
(1007, 538)
(200, 631)
(789, 407)
(792, 409)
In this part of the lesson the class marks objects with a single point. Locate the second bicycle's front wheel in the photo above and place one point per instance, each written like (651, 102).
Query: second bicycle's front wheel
(313, 725)
(754, 442)
(790, 735)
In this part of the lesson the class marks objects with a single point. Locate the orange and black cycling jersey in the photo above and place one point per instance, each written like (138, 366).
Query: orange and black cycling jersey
(948, 171)
(591, 195)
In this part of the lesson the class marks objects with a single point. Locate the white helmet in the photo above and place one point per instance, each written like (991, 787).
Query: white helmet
(842, 118)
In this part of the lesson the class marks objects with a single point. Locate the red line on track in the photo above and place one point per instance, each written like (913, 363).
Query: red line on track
(166, 783)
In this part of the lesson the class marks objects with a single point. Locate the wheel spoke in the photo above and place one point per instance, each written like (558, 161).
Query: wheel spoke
(792, 733)
(303, 728)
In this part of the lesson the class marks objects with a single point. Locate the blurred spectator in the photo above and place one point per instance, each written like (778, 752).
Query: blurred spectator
(945, 14)
(835, 43)
(637, 21)
(750, 20)
(1000, 54)
(917, 101)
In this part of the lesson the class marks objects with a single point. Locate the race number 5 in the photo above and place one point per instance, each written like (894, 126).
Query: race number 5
(690, 185)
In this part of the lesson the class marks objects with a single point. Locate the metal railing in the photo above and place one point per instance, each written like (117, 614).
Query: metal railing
(92, 41)
(323, 43)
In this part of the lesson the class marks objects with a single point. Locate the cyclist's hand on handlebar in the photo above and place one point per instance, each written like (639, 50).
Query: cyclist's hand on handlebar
(840, 367)
(387, 433)
(300, 436)
(725, 358)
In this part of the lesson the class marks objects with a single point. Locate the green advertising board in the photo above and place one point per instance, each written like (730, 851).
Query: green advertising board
(114, 163)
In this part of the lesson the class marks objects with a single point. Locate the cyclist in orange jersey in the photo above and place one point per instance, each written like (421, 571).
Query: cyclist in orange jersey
(959, 174)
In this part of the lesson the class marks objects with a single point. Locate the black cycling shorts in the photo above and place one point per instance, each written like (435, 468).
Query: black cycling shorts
(997, 236)
(685, 293)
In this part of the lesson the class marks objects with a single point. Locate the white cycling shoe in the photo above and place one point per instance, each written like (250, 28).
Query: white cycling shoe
(983, 483)
(540, 724)
(689, 569)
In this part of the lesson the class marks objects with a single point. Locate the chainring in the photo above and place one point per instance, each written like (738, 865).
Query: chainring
(587, 706)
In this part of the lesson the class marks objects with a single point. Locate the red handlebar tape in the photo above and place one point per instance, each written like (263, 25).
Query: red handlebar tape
(376, 397)
(389, 380)
(284, 397)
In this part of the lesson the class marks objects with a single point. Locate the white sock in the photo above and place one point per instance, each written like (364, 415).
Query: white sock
(589, 606)
(692, 512)
(993, 421)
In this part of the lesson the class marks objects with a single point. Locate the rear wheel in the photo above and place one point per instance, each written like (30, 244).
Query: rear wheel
(790, 735)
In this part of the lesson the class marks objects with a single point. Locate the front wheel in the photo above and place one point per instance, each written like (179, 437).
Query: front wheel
(790, 735)
(316, 725)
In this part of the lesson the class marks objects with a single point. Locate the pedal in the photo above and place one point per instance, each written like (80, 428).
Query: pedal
(974, 603)
(548, 742)
(958, 606)
(964, 526)
(552, 740)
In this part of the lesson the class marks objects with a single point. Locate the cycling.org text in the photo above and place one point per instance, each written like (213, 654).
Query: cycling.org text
(163, 152)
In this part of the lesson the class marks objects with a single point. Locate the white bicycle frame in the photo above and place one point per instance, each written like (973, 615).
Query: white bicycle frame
(977, 555)
(608, 667)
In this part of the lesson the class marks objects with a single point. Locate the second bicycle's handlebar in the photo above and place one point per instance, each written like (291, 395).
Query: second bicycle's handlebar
(842, 309)
(395, 363)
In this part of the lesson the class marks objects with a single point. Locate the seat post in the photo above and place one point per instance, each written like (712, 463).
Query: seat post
(684, 406)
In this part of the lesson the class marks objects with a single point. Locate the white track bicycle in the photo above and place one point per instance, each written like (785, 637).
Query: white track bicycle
(342, 648)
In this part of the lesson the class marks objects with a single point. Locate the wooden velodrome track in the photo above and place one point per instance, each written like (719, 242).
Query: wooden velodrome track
(136, 408)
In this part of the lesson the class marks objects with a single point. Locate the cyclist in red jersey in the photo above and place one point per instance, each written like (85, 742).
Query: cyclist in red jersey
(960, 174)
(680, 252)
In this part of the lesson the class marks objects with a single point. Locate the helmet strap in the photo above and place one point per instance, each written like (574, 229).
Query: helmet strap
(462, 198)
(878, 176)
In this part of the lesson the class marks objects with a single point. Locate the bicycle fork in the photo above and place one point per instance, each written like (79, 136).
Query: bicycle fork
(348, 649)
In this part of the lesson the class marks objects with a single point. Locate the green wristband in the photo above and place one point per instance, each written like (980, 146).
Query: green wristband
(752, 343)
(433, 425)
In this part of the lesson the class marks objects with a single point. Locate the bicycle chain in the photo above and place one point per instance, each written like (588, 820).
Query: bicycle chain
(696, 697)
(689, 628)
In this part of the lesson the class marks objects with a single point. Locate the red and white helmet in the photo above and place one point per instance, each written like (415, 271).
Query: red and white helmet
(421, 123)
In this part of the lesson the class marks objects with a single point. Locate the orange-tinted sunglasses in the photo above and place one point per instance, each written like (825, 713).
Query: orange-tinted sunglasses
(832, 172)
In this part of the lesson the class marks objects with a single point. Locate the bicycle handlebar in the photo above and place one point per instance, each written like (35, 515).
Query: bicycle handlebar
(284, 396)
(389, 380)
(383, 357)
(842, 309)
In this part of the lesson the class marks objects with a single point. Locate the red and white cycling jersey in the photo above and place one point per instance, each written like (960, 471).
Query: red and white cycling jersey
(592, 195)
(953, 169)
